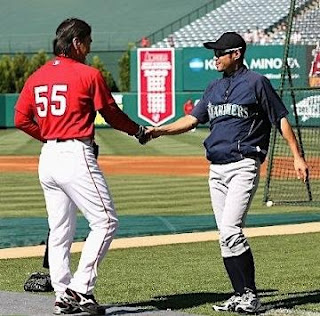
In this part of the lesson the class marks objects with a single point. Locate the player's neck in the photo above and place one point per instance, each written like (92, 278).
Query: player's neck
(75, 57)
(231, 70)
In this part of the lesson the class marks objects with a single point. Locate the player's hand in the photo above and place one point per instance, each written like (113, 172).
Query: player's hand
(301, 168)
(149, 130)
(155, 131)
(143, 135)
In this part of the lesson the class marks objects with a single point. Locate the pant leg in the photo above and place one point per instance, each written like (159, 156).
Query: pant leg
(242, 180)
(62, 223)
(218, 192)
(91, 194)
(232, 187)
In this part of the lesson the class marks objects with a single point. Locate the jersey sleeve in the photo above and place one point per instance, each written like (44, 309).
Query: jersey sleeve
(101, 93)
(24, 116)
(200, 111)
(25, 101)
(271, 102)
(107, 107)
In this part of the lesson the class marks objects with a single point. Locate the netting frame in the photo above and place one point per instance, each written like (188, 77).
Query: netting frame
(286, 74)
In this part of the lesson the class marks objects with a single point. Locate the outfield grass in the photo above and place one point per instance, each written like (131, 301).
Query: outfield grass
(191, 277)
(112, 142)
(21, 196)
(16, 143)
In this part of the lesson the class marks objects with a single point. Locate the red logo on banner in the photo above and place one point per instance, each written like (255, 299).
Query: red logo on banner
(156, 95)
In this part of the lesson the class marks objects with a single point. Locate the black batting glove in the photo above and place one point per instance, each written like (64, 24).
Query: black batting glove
(95, 149)
(142, 136)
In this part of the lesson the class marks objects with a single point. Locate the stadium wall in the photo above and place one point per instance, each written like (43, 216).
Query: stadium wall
(194, 69)
(308, 107)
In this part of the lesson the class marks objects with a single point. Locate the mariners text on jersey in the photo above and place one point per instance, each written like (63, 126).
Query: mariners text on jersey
(232, 109)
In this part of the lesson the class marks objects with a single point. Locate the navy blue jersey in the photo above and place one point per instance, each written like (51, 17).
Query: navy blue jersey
(240, 109)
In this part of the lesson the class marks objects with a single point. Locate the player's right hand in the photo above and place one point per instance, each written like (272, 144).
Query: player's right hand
(301, 169)
(155, 132)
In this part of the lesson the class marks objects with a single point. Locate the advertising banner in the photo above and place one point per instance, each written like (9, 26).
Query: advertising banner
(313, 58)
(307, 107)
(199, 65)
(156, 85)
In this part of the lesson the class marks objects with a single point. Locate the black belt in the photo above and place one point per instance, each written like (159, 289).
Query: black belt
(63, 140)
(59, 140)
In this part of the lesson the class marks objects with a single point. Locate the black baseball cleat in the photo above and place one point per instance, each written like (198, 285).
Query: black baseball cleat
(65, 308)
(85, 302)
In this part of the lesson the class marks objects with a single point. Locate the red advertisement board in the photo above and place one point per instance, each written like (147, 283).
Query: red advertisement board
(156, 94)
(314, 75)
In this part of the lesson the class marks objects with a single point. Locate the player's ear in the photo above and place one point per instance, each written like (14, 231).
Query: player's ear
(237, 54)
(76, 43)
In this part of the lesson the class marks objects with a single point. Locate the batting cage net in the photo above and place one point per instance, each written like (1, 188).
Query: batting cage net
(300, 91)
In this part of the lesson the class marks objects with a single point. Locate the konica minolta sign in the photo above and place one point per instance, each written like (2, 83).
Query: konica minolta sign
(199, 65)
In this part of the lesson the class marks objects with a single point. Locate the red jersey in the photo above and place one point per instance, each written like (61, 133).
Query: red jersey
(63, 97)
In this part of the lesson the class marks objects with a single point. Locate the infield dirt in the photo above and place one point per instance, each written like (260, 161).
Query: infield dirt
(156, 165)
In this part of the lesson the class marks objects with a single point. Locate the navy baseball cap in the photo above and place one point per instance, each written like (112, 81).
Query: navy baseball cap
(228, 40)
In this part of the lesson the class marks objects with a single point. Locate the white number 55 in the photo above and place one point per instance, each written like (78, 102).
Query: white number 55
(42, 100)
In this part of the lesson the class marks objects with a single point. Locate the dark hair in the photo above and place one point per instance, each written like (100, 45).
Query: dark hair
(66, 32)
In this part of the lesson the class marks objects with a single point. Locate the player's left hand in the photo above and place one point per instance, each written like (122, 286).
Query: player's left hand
(301, 168)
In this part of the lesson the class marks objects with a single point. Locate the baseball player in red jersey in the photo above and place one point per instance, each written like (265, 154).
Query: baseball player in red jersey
(58, 106)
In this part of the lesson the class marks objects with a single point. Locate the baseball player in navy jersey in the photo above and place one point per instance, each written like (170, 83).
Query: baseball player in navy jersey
(240, 108)
(58, 106)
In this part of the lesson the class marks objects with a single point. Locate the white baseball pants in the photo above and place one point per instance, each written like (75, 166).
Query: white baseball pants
(71, 180)
(232, 187)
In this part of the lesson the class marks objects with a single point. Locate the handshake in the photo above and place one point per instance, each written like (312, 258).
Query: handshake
(145, 134)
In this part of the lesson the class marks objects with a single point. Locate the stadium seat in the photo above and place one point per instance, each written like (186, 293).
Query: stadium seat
(244, 15)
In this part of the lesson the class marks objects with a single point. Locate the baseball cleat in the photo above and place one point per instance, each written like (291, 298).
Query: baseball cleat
(229, 305)
(249, 304)
(65, 308)
(85, 302)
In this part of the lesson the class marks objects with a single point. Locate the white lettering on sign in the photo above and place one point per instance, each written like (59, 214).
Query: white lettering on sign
(158, 57)
(272, 63)
(209, 64)
(259, 63)
(309, 108)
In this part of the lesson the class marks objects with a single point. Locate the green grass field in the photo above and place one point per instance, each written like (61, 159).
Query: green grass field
(16, 143)
(191, 277)
(133, 195)
(21, 196)
(187, 277)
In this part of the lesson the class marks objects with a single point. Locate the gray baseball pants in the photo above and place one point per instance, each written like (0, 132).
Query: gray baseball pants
(232, 187)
